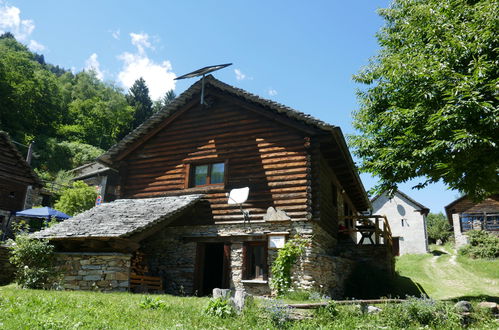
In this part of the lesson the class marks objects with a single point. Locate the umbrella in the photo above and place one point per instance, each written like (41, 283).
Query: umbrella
(42, 212)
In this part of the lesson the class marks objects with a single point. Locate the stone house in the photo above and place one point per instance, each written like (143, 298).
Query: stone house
(16, 178)
(172, 218)
(464, 214)
(407, 219)
(103, 178)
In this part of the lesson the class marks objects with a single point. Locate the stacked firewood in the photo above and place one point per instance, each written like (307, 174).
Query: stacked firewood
(138, 264)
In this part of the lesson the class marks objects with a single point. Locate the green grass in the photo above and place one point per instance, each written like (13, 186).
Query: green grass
(443, 275)
(37, 309)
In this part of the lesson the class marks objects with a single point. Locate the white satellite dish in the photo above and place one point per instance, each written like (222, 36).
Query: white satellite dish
(238, 195)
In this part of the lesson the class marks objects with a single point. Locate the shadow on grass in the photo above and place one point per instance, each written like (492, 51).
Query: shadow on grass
(481, 297)
(369, 282)
(438, 253)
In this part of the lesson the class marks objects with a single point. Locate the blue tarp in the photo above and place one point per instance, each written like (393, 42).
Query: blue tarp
(42, 212)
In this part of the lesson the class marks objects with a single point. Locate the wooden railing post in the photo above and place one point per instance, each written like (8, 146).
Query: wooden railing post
(376, 231)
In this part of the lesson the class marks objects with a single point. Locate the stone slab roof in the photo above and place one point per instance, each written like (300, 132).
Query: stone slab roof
(121, 218)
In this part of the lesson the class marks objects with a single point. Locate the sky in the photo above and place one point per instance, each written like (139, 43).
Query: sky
(301, 54)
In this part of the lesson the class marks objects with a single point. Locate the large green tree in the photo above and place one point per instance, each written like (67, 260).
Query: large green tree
(138, 98)
(430, 110)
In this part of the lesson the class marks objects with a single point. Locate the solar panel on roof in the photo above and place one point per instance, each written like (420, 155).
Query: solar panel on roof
(203, 72)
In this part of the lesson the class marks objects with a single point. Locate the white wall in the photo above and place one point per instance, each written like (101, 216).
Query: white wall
(405, 222)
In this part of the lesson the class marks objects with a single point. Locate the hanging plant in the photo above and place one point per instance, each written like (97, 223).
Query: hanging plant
(286, 258)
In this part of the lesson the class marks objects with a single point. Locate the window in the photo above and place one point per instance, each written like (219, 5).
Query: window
(255, 261)
(207, 174)
(484, 221)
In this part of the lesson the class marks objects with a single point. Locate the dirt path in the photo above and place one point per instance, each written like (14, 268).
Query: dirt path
(443, 277)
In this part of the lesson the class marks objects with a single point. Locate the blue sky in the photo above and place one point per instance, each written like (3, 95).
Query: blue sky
(301, 54)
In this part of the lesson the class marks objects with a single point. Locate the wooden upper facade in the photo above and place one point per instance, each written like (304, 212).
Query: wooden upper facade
(15, 176)
(288, 159)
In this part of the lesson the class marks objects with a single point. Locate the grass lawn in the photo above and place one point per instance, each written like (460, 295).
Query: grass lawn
(443, 275)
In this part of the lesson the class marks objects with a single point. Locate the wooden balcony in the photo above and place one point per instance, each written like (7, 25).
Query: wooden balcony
(373, 229)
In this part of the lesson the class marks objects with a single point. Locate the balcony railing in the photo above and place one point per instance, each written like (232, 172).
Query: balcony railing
(373, 229)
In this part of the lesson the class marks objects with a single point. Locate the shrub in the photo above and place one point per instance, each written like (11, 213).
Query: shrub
(421, 312)
(152, 303)
(278, 312)
(80, 197)
(481, 244)
(281, 267)
(219, 308)
(438, 227)
(34, 261)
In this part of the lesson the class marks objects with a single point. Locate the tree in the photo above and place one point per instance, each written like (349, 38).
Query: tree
(431, 108)
(80, 197)
(164, 101)
(438, 227)
(138, 98)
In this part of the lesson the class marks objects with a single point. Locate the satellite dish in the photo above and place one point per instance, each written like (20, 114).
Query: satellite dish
(238, 195)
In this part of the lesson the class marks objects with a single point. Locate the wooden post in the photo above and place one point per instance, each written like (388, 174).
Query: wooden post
(376, 231)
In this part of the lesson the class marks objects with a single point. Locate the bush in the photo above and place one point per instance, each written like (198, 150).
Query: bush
(278, 312)
(419, 312)
(152, 303)
(80, 197)
(34, 261)
(438, 227)
(481, 244)
(219, 308)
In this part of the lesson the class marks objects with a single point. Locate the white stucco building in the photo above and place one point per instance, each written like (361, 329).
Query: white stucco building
(407, 219)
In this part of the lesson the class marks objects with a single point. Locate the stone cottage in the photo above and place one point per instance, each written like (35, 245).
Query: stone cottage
(172, 218)
(407, 219)
(464, 214)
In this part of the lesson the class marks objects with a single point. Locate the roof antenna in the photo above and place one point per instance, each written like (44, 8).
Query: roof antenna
(203, 72)
(239, 196)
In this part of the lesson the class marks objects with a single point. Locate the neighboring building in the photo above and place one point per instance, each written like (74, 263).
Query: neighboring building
(104, 179)
(15, 178)
(464, 215)
(173, 220)
(407, 219)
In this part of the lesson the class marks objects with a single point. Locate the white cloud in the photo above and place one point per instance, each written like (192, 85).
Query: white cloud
(35, 46)
(93, 64)
(116, 34)
(158, 76)
(239, 74)
(141, 41)
(272, 92)
(10, 21)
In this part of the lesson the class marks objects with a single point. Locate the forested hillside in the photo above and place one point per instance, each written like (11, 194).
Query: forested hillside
(71, 117)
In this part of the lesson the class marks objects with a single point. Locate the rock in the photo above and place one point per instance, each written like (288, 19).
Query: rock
(373, 309)
(276, 215)
(439, 242)
(221, 293)
(241, 298)
(463, 306)
(491, 306)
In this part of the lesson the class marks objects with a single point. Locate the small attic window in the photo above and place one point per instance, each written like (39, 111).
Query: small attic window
(207, 174)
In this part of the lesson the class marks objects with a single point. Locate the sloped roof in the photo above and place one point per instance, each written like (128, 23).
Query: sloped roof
(121, 218)
(13, 166)
(350, 180)
(408, 198)
(88, 170)
(186, 96)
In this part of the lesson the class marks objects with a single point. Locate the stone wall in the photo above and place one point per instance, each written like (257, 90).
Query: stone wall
(171, 254)
(7, 270)
(94, 271)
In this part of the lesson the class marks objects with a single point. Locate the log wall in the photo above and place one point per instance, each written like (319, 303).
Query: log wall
(270, 158)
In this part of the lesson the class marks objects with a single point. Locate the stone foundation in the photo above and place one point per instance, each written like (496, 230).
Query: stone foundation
(171, 254)
(94, 271)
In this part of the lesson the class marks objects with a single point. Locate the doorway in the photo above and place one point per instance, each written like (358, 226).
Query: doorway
(396, 246)
(212, 267)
